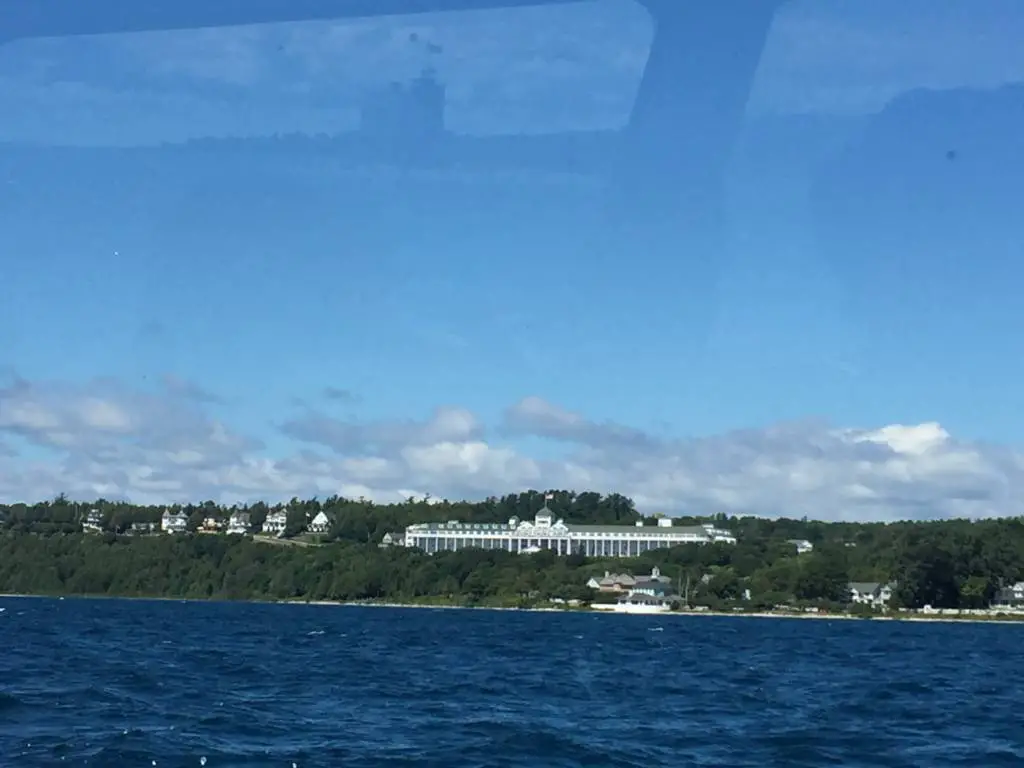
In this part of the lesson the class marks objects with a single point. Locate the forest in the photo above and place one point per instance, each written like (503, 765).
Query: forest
(947, 564)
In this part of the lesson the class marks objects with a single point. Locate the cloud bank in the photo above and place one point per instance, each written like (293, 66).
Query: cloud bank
(102, 438)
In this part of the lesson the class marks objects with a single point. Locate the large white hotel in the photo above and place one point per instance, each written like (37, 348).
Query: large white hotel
(545, 532)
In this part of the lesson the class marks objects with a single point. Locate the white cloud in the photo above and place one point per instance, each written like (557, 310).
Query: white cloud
(102, 438)
(535, 416)
(918, 439)
(446, 425)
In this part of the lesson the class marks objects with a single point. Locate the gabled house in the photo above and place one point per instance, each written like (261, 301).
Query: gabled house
(93, 522)
(612, 582)
(870, 593)
(803, 546)
(392, 540)
(655, 588)
(1011, 596)
(173, 522)
(275, 523)
(213, 525)
(239, 523)
(716, 535)
(623, 582)
(321, 523)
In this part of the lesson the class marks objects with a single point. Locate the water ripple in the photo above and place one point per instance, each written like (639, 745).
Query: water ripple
(112, 683)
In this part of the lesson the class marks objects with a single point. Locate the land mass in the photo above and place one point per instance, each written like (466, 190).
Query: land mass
(950, 564)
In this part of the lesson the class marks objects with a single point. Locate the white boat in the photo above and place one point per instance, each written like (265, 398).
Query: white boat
(639, 602)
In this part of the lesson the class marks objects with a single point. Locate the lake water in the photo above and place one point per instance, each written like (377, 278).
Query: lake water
(140, 683)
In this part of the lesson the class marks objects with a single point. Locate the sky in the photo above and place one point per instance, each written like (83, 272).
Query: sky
(780, 283)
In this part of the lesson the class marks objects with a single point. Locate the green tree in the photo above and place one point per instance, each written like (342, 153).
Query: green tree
(823, 575)
(295, 521)
(950, 563)
(976, 592)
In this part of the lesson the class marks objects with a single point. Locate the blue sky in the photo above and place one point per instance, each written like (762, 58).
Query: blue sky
(822, 319)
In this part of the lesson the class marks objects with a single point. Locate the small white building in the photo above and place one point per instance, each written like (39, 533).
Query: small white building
(802, 545)
(275, 523)
(321, 523)
(173, 522)
(238, 523)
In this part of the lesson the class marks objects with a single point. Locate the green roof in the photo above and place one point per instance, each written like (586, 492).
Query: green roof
(646, 530)
(612, 530)
(465, 527)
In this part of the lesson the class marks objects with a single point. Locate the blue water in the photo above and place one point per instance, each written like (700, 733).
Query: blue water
(127, 683)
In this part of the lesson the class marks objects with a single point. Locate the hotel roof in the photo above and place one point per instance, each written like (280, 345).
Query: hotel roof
(622, 530)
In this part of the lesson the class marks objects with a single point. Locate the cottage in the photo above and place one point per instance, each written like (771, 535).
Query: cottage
(93, 521)
(213, 525)
(238, 523)
(803, 546)
(1011, 596)
(612, 582)
(654, 588)
(623, 582)
(870, 593)
(173, 522)
(139, 529)
(320, 524)
(275, 523)
(392, 540)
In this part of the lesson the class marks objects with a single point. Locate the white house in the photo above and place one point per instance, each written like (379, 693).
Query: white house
(1011, 596)
(93, 521)
(239, 523)
(320, 524)
(173, 522)
(275, 523)
(870, 593)
(802, 545)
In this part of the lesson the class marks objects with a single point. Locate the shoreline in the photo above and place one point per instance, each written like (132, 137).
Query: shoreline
(947, 619)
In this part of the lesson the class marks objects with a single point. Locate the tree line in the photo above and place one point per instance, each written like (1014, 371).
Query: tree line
(946, 564)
